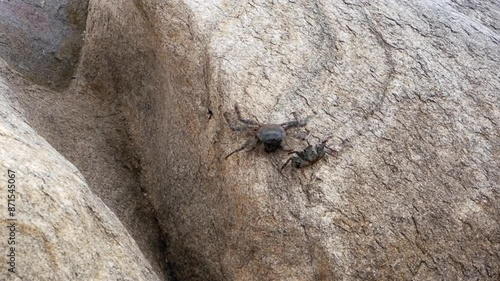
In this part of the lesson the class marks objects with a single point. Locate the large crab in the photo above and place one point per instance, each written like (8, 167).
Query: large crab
(271, 135)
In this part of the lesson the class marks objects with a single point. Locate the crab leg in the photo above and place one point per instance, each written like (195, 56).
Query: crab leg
(297, 123)
(233, 127)
(252, 141)
(244, 120)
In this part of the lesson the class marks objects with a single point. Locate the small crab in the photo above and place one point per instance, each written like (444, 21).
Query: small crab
(310, 155)
(271, 135)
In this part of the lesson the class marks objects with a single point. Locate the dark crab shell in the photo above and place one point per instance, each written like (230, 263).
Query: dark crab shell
(271, 135)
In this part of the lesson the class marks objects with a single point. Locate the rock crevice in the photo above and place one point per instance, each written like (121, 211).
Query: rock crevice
(409, 92)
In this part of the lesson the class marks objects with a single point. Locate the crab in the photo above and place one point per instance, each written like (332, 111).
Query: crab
(310, 155)
(271, 135)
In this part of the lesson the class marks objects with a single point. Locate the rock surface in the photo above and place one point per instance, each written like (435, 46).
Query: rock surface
(412, 86)
(63, 231)
(42, 39)
(88, 131)
(409, 91)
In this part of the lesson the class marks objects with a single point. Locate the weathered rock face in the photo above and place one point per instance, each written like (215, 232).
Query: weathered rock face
(62, 231)
(411, 90)
(413, 86)
(42, 39)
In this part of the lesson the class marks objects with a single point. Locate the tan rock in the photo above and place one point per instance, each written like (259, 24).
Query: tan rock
(62, 231)
(412, 87)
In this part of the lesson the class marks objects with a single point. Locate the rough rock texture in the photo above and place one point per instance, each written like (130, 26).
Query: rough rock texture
(63, 231)
(408, 89)
(88, 131)
(42, 39)
(412, 85)
(92, 135)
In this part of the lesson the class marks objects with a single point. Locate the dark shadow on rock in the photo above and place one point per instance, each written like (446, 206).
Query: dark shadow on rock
(42, 39)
